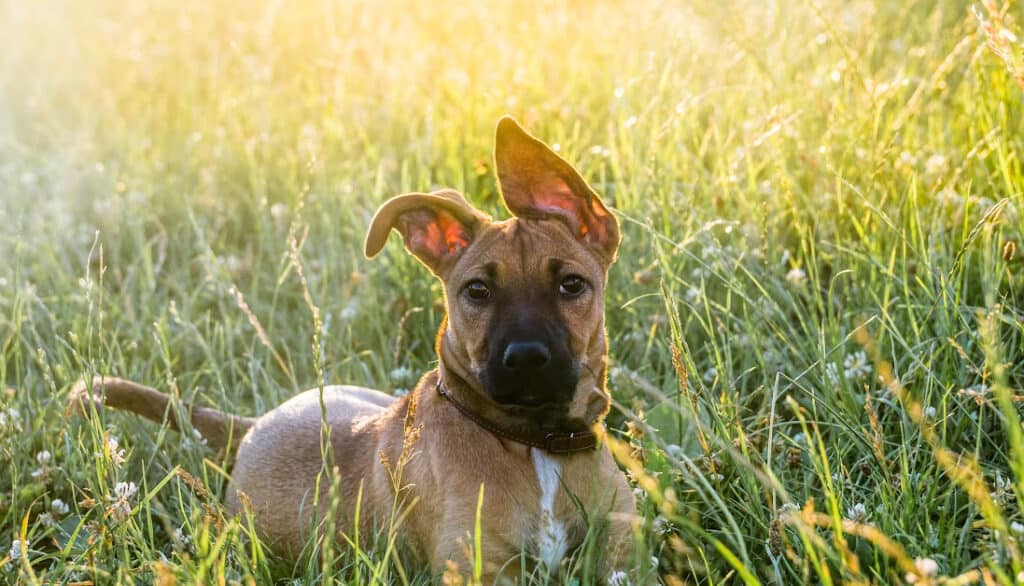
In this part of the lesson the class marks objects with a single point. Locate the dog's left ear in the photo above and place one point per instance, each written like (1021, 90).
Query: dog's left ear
(537, 183)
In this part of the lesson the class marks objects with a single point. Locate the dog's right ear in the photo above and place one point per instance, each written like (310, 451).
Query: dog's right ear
(436, 227)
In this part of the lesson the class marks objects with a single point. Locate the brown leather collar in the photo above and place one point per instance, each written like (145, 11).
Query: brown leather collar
(555, 442)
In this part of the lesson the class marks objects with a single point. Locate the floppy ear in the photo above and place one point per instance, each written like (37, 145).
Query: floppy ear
(436, 226)
(537, 183)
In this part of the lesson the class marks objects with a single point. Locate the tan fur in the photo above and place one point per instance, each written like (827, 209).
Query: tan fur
(279, 459)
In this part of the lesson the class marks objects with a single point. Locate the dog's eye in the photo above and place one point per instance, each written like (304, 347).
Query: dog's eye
(477, 290)
(572, 286)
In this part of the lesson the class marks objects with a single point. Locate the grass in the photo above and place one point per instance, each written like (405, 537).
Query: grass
(815, 319)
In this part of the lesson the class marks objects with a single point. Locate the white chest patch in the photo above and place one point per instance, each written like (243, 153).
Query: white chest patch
(552, 540)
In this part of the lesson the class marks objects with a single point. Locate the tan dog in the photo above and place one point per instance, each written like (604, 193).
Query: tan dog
(515, 405)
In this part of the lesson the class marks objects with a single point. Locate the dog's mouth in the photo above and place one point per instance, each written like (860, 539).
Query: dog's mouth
(554, 388)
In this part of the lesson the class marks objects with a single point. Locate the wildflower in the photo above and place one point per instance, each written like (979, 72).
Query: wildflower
(113, 451)
(10, 419)
(692, 295)
(935, 165)
(403, 375)
(47, 520)
(858, 513)
(832, 373)
(855, 366)
(978, 392)
(16, 550)
(786, 509)
(618, 578)
(796, 276)
(59, 507)
(44, 458)
(120, 507)
(661, 525)
(925, 568)
(1003, 492)
(929, 413)
(197, 439)
(278, 211)
(773, 358)
(350, 311)
(181, 537)
(125, 490)
(800, 438)
(1017, 528)
(710, 375)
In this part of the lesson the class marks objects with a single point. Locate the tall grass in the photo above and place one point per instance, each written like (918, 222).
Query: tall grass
(815, 324)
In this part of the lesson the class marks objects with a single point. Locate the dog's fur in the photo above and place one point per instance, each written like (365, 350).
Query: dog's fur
(544, 272)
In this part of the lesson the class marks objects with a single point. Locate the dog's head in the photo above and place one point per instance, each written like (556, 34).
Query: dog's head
(525, 296)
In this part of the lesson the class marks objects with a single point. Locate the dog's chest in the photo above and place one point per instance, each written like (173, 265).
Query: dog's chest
(552, 537)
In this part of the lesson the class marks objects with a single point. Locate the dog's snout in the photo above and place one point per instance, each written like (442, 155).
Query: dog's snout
(523, 356)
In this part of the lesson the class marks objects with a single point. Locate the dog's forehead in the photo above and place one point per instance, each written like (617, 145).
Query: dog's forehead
(520, 244)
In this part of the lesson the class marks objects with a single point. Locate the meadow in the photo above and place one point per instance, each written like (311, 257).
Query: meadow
(814, 322)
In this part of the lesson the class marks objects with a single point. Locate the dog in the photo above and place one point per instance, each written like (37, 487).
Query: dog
(515, 405)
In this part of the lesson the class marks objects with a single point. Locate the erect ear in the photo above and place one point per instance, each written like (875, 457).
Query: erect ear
(436, 226)
(537, 183)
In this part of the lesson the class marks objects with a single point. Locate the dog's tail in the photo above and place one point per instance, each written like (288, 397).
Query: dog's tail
(219, 429)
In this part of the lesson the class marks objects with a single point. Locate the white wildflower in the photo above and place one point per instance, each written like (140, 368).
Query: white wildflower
(979, 392)
(112, 450)
(59, 507)
(832, 373)
(619, 578)
(926, 568)
(181, 537)
(16, 550)
(710, 375)
(44, 457)
(692, 295)
(350, 311)
(796, 276)
(10, 419)
(787, 508)
(197, 439)
(858, 513)
(929, 413)
(1017, 528)
(125, 490)
(1003, 490)
(278, 211)
(403, 375)
(800, 438)
(661, 525)
(120, 507)
(855, 366)
(47, 520)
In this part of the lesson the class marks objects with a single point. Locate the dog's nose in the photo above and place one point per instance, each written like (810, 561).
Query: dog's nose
(526, 356)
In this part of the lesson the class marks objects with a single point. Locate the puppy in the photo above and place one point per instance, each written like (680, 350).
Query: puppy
(515, 405)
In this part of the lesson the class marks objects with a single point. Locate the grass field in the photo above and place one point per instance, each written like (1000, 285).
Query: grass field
(815, 319)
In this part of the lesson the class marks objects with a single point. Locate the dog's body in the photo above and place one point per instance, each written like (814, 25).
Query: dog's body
(515, 404)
